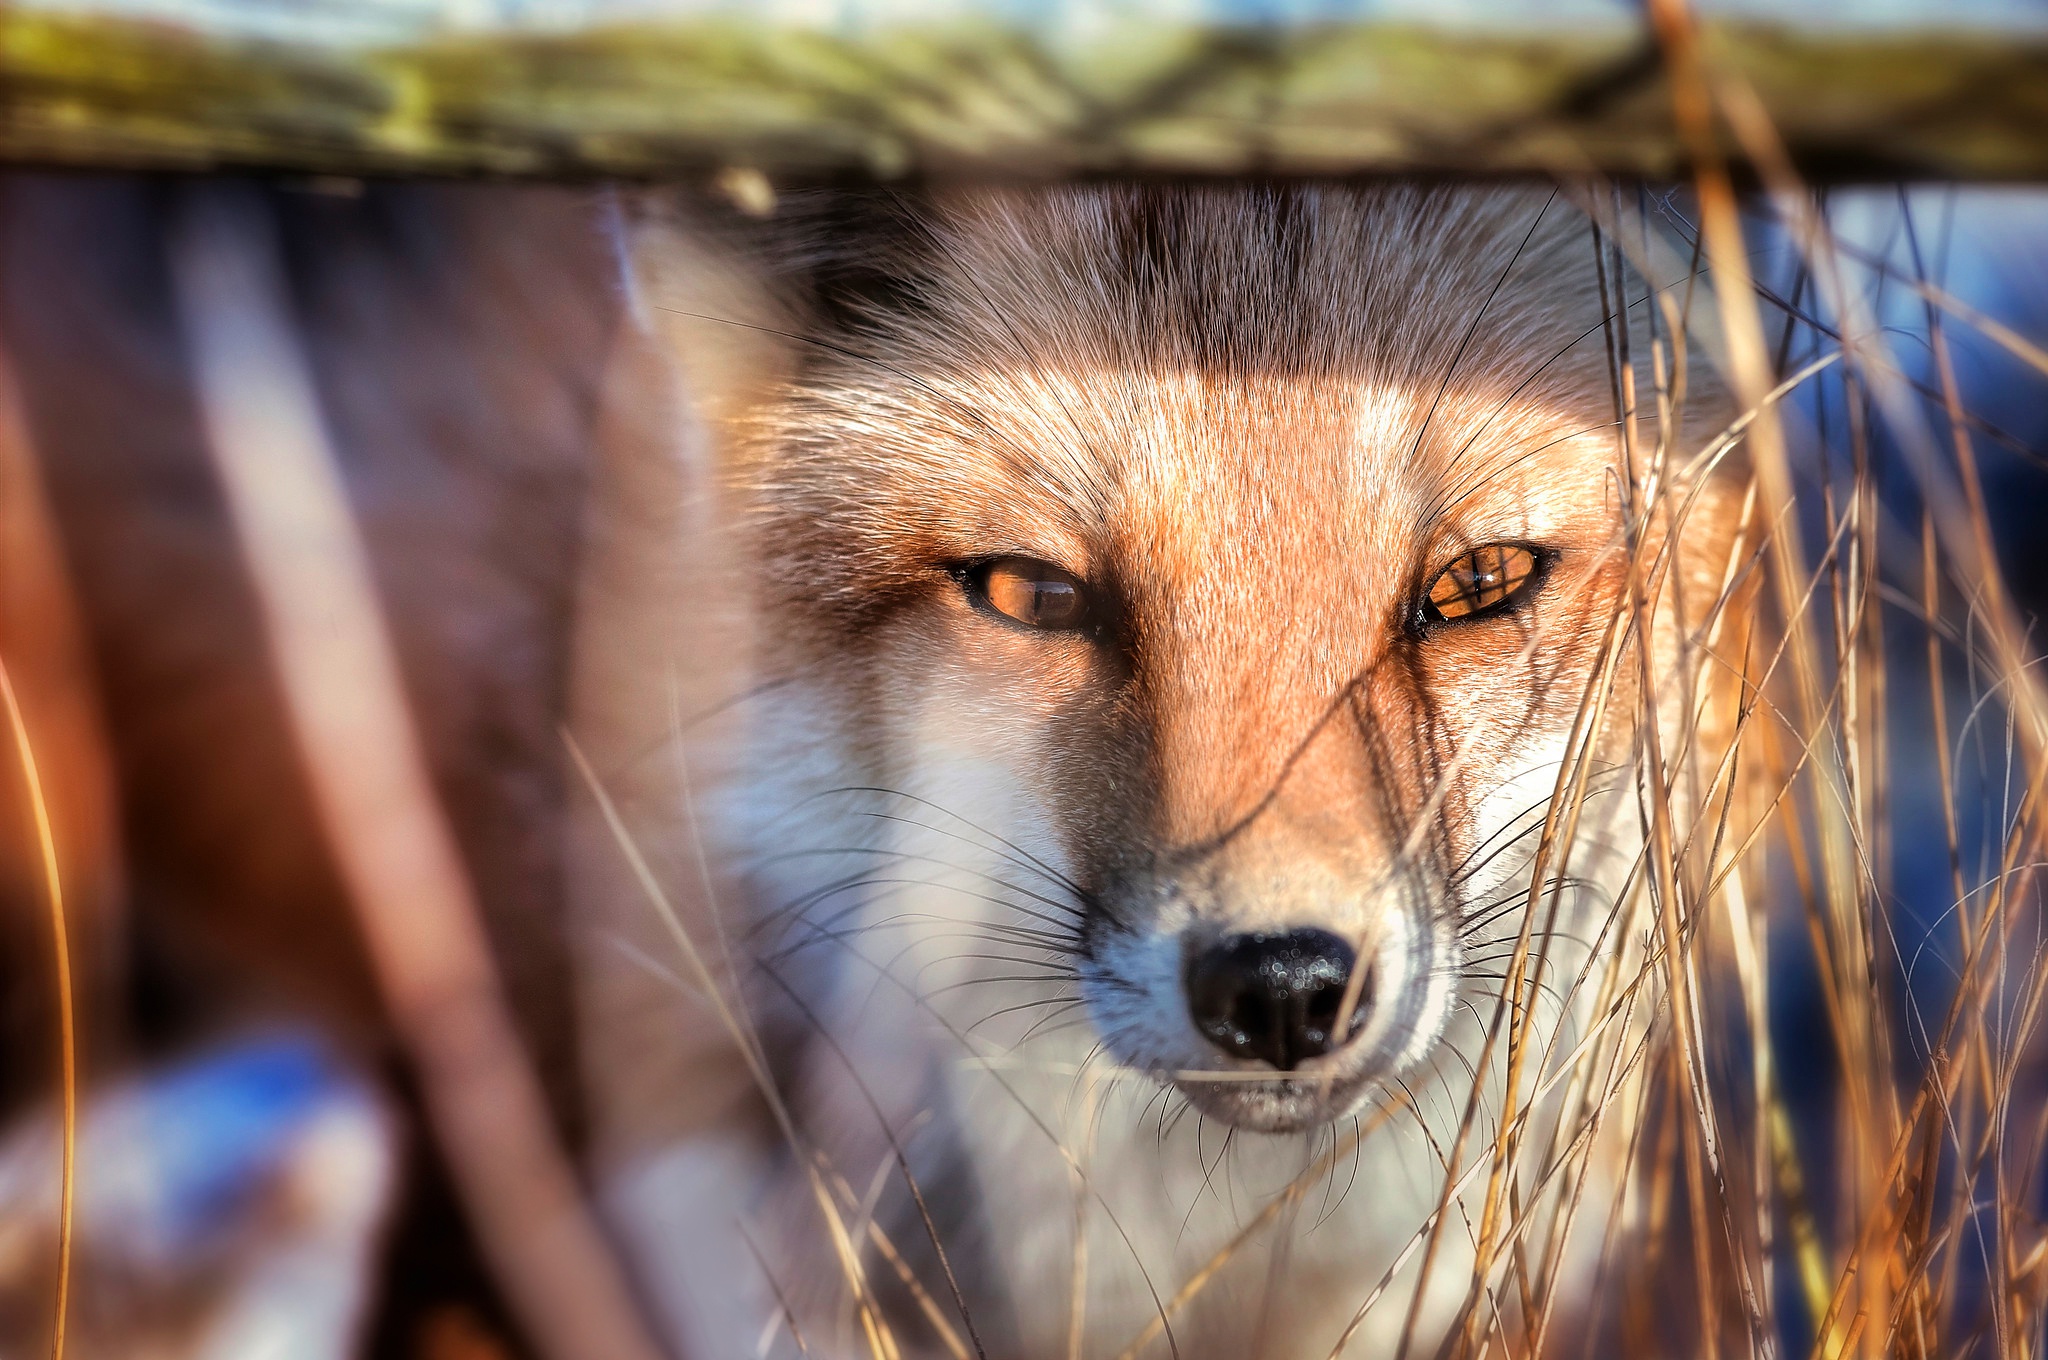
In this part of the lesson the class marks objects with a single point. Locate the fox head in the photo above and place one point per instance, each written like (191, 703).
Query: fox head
(1262, 544)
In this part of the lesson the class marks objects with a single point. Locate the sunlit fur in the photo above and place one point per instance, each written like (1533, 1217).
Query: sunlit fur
(958, 863)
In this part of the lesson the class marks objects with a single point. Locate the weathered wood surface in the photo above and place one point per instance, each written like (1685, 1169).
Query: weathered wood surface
(665, 87)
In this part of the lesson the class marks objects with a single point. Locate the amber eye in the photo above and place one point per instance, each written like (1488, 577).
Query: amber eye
(1037, 594)
(1481, 581)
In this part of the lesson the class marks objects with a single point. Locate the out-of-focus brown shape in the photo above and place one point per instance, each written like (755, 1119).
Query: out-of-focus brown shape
(43, 645)
(334, 656)
(453, 1332)
(228, 875)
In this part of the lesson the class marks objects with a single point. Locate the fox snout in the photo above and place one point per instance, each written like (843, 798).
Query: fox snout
(1278, 999)
(1274, 1000)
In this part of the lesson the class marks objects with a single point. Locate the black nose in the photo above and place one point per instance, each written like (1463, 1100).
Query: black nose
(1275, 998)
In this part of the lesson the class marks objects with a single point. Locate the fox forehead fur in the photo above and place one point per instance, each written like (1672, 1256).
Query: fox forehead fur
(1254, 424)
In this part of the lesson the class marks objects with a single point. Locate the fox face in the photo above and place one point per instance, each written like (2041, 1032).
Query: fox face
(1260, 546)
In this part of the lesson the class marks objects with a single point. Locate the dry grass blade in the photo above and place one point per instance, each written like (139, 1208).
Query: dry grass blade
(43, 625)
(67, 1020)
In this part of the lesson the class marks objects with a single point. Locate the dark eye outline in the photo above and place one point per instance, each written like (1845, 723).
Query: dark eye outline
(1427, 618)
(974, 577)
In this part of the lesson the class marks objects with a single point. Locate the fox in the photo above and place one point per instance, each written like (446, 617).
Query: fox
(1071, 770)
(1099, 694)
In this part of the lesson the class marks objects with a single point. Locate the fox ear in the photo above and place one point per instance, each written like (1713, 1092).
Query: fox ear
(843, 258)
(700, 285)
(865, 253)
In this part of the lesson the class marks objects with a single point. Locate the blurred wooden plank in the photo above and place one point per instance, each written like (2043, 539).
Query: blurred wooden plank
(679, 88)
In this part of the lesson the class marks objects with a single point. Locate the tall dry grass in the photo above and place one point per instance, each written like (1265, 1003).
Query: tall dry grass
(1831, 1098)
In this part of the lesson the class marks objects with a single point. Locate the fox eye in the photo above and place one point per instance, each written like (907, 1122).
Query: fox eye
(1036, 594)
(1480, 582)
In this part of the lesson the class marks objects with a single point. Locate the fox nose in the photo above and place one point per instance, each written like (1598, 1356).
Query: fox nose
(1275, 998)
